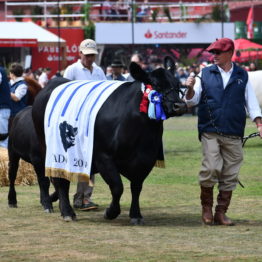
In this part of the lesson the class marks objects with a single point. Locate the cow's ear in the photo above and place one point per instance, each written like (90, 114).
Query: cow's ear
(137, 72)
(169, 64)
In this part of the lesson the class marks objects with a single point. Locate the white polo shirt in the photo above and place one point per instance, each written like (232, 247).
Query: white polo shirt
(77, 71)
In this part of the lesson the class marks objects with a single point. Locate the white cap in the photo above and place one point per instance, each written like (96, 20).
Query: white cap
(88, 47)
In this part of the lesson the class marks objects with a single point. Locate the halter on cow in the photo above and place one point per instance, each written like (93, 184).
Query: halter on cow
(126, 141)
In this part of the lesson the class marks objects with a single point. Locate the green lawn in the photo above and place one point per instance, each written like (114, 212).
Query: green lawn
(171, 209)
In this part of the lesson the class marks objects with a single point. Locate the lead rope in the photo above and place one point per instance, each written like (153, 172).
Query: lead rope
(213, 122)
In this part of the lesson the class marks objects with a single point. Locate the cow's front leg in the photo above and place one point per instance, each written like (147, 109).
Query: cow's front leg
(114, 210)
(62, 188)
(134, 213)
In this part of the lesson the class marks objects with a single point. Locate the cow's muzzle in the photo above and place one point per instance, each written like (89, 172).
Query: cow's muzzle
(180, 108)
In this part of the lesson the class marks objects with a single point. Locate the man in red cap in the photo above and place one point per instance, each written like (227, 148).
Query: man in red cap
(223, 93)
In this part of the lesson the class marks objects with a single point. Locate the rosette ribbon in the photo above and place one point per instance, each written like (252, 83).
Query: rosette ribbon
(155, 109)
(144, 102)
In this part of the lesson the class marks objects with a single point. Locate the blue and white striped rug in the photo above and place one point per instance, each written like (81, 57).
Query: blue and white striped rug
(69, 127)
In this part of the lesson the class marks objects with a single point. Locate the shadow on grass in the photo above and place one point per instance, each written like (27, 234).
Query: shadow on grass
(151, 218)
(253, 223)
(156, 218)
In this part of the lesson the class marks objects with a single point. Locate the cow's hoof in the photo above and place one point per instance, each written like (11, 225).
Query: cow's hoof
(69, 218)
(137, 221)
(12, 205)
(111, 215)
(49, 210)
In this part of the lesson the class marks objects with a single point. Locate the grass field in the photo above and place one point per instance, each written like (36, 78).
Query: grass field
(170, 205)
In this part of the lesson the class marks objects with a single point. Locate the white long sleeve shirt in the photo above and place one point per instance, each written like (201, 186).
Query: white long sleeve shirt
(252, 105)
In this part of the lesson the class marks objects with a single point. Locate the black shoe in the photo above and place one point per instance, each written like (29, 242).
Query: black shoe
(88, 206)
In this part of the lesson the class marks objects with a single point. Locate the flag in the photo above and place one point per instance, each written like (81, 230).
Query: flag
(249, 22)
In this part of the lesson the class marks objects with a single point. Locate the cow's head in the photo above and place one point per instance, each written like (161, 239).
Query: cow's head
(163, 80)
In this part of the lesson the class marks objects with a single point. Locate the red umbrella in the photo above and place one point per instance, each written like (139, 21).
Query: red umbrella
(246, 50)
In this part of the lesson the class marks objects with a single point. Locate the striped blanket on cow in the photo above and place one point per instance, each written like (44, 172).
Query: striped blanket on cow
(69, 124)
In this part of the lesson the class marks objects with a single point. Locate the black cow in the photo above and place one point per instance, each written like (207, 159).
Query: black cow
(23, 144)
(126, 141)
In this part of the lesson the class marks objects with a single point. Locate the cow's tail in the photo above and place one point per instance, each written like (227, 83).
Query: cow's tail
(3, 136)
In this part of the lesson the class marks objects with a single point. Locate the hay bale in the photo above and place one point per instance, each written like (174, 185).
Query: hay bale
(25, 176)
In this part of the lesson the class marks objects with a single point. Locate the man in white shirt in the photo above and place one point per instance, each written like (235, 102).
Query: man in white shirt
(85, 69)
(223, 93)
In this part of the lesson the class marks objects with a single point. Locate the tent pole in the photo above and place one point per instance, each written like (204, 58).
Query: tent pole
(59, 35)
(222, 18)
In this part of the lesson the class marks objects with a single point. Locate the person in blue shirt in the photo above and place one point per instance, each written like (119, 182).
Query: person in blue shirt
(117, 69)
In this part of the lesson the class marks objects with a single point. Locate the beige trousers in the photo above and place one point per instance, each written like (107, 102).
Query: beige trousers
(222, 158)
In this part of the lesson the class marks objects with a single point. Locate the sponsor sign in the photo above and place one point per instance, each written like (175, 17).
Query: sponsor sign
(162, 33)
(48, 56)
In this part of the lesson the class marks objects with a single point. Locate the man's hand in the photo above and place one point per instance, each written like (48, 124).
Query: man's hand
(190, 84)
(259, 128)
(258, 122)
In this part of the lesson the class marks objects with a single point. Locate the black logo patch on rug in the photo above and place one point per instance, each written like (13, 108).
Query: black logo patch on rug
(67, 133)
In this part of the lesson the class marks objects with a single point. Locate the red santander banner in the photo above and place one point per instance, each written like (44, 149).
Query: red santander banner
(48, 56)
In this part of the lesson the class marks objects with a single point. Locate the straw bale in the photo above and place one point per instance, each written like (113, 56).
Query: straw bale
(25, 176)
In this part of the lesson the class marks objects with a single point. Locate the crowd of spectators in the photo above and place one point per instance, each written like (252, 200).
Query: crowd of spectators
(114, 71)
(122, 10)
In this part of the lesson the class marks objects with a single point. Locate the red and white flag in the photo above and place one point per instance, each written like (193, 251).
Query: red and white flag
(250, 20)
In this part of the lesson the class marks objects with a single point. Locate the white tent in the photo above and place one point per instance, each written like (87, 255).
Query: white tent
(27, 34)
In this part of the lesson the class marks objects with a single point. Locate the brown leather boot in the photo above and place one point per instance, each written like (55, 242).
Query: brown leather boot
(223, 201)
(206, 197)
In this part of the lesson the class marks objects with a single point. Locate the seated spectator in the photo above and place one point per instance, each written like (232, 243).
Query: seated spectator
(122, 8)
(117, 70)
(144, 11)
(106, 10)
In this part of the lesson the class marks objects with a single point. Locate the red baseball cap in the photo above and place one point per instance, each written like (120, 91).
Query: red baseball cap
(222, 44)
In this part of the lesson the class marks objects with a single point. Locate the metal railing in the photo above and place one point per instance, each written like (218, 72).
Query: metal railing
(183, 10)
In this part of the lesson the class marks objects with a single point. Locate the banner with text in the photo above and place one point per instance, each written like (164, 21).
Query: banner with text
(162, 33)
(48, 56)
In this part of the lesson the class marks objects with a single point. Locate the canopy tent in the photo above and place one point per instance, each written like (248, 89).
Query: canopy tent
(27, 34)
(246, 50)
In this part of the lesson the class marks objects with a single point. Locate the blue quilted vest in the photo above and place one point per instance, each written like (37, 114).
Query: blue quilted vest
(5, 99)
(227, 106)
(18, 106)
